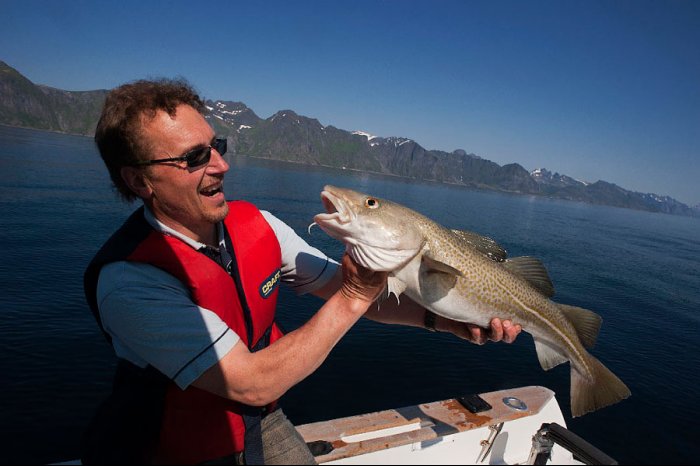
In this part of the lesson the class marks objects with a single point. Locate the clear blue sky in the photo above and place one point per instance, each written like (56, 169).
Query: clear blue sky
(592, 89)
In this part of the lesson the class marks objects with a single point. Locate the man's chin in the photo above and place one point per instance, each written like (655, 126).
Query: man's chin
(217, 214)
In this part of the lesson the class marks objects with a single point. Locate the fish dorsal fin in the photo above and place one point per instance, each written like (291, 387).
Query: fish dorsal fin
(587, 323)
(483, 244)
(437, 265)
(548, 355)
(533, 271)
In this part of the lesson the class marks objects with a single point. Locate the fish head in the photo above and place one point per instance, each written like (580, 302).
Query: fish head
(378, 234)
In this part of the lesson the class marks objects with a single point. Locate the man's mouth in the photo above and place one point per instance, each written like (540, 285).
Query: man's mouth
(212, 190)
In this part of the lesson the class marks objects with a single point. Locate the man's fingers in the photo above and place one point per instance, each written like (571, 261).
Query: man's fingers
(510, 331)
(496, 330)
(477, 335)
(360, 282)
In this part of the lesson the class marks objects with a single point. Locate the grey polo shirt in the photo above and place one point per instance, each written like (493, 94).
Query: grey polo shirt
(152, 319)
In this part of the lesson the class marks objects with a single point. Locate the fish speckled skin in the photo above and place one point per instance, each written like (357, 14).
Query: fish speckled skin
(467, 277)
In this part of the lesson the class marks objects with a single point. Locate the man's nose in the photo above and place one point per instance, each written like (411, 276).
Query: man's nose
(218, 162)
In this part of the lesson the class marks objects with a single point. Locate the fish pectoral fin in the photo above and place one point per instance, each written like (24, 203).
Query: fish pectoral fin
(587, 323)
(434, 265)
(483, 244)
(533, 271)
(383, 296)
(395, 286)
(548, 355)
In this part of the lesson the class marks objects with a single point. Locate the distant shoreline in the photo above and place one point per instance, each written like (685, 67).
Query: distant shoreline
(474, 187)
(479, 188)
(53, 131)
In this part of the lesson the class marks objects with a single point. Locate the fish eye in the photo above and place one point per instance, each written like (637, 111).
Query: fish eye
(371, 202)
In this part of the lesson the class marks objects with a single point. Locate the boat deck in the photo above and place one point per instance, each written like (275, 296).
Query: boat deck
(421, 426)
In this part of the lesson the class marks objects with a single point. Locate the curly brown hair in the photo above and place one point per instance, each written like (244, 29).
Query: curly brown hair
(119, 131)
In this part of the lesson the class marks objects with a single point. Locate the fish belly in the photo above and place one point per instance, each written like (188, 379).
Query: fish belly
(454, 306)
(440, 293)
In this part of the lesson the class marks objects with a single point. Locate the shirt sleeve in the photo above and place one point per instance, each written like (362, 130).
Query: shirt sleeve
(152, 320)
(304, 268)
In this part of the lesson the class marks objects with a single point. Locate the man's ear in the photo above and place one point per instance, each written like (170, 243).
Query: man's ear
(136, 180)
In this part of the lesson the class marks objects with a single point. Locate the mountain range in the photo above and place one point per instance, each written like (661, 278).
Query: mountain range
(295, 138)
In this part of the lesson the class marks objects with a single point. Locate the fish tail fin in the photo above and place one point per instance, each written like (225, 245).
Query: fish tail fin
(603, 389)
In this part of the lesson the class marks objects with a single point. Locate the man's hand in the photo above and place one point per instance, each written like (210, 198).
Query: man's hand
(360, 282)
(498, 330)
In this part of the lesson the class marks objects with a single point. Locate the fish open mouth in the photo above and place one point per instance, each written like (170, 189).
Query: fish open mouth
(337, 214)
(328, 203)
(336, 209)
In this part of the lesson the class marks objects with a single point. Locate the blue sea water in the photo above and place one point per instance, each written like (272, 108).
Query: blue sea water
(639, 271)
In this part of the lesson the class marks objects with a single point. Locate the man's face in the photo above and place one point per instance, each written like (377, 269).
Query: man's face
(189, 200)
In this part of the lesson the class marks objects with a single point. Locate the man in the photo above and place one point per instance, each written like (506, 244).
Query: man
(185, 291)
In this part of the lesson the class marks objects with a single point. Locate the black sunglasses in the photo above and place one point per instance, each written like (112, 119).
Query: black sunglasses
(194, 158)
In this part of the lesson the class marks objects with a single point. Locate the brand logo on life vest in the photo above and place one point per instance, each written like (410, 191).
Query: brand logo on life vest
(270, 283)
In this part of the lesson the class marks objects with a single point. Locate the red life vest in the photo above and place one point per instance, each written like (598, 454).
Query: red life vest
(197, 425)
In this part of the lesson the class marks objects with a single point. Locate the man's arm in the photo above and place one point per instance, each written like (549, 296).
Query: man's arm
(259, 378)
(412, 314)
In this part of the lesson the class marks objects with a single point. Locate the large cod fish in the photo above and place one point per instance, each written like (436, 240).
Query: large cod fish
(466, 277)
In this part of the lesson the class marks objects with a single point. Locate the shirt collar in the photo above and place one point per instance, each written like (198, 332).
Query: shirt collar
(166, 230)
